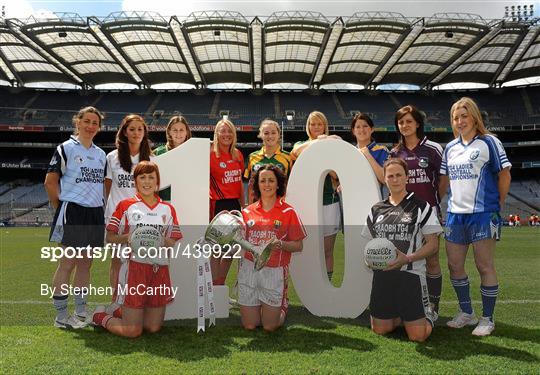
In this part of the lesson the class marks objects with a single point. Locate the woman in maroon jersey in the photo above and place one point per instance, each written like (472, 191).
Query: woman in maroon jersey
(423, 158)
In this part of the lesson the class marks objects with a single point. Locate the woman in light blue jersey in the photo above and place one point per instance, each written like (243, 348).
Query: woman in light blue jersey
(477, 169)
(74, 184)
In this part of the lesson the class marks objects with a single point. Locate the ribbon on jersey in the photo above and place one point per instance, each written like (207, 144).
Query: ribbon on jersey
(205, 292)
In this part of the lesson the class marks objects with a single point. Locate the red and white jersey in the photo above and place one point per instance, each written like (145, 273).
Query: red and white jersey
(134, 212)
(281, 222)
(226, 176)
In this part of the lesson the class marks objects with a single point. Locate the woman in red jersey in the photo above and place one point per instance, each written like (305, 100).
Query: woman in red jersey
(144, 282)
(262, 294)
(226, 189)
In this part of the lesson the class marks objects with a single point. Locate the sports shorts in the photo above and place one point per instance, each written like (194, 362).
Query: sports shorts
(223, 205)
(78, 226)
(143, 285)
(331, 219)
(399, 294)
(269, 285)
(465, 229)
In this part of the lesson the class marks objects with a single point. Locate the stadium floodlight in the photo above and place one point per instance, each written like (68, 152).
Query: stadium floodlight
(224, 114)
(290, 115)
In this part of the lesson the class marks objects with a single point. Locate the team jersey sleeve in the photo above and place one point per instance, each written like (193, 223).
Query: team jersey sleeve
(429, 221)
(497, 155)
(437, 158)
(58, 161)
(381, 155)
(367, 229)
(295, 230)
(247, 171)
(443, 171)
(173, 230)
(118, 219)
(108, 171)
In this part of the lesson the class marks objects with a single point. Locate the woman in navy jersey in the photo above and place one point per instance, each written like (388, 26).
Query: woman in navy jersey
(478, 171)
(362, 128)
(74, 184)
(423, 158)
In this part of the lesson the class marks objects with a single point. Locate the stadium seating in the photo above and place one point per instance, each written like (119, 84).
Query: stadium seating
(511, 107)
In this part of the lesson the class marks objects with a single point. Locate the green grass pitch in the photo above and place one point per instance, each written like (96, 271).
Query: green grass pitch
(307, 344)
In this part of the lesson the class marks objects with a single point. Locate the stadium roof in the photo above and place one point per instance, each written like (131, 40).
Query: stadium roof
(206, 48)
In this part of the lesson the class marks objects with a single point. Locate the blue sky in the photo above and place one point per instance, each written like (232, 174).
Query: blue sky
(84, 7)
(488, 9)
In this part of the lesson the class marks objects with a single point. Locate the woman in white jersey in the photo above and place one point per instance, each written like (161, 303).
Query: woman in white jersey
(132, 146)
(74, 184)
(478, 171)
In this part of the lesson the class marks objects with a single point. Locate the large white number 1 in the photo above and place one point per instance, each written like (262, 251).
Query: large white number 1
(187, 170)
(304, 193)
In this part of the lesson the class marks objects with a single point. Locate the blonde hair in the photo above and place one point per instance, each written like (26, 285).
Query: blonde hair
(473, 110)
(215, 143)
(321, 117)
(173, 121)
(268, 121)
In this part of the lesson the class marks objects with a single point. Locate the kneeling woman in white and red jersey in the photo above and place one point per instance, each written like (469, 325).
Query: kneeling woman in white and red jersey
(263, 294)
(144, 287)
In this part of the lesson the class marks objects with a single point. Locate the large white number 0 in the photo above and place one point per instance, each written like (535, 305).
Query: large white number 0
(304, 192)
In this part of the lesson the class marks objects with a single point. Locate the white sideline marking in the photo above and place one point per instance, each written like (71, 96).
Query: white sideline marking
(503, 302)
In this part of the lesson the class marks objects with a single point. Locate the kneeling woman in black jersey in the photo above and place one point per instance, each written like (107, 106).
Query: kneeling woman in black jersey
(399, 293)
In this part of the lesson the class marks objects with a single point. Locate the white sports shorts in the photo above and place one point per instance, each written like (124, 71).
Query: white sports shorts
(331, 219)
(269, 285)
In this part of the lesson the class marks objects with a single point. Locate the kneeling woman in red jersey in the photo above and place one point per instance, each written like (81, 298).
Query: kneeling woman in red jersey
(144, 284)
(263, 294)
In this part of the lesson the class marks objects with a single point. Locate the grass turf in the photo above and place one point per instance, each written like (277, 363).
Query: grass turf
(307, 344)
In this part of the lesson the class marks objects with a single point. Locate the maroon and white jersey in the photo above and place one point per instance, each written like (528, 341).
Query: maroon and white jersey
(133, 213)
(424, 164)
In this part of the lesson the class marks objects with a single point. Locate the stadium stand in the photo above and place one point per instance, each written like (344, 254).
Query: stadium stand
(513, 107)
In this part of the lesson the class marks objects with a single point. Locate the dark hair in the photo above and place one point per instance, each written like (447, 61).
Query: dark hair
(361, 116)
(281, 180)
(175, 120)
(144, 167)
(398, 161)
(417, 116)
(123, 147)
(84, 111)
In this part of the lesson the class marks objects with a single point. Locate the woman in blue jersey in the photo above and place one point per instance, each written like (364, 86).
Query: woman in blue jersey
(478, 171)
(362, 128)
(423, 158)
(74, 184)
(317, 128)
